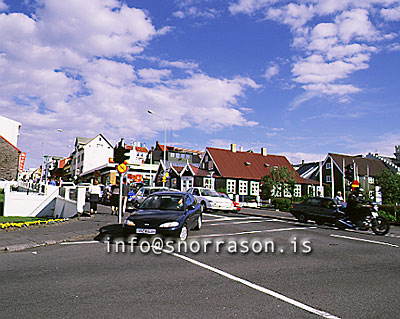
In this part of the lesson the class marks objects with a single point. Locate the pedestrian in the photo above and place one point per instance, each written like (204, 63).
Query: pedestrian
(339, 197)
(115, 198)
(125, 191)
(94, 191)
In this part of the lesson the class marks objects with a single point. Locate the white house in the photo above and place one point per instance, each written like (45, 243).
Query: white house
(90, 154)
(9, 129)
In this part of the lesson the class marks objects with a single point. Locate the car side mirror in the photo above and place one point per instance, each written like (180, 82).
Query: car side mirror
(136, 205)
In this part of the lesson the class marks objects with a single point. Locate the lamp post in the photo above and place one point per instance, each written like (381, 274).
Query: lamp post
(165, 140)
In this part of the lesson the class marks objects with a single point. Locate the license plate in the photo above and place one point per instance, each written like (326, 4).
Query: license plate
(145, 231)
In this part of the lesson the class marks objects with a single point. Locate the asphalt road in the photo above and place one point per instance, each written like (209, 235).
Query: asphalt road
(306, 272)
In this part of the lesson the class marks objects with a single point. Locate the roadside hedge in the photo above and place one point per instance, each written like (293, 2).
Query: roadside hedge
(283, 204)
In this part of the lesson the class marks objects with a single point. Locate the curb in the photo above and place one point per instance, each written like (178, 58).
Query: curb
(21, 247)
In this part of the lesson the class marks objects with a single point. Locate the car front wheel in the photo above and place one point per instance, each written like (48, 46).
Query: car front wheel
(302, 218)
(183, 233)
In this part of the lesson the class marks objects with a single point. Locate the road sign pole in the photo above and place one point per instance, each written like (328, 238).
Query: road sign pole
(120, 199)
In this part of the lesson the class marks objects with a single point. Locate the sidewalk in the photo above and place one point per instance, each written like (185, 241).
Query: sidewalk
(84, 227)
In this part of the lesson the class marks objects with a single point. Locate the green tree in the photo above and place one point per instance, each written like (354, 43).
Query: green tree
(390, 187)
(280, 179)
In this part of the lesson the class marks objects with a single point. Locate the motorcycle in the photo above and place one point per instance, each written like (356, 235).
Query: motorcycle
(379, 225)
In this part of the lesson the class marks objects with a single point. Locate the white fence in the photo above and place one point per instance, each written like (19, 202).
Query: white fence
(48, 202)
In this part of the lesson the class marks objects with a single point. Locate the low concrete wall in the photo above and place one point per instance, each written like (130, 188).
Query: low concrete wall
(64, 208)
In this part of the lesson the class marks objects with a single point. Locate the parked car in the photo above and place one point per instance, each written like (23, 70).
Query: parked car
(141, 195)
(169, 214)
(236, 204)
(319, 209)
(209, 199)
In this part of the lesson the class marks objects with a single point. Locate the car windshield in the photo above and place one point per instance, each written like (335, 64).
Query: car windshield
(209, 192)
(155, 190)
(163, 202)
(223, 195)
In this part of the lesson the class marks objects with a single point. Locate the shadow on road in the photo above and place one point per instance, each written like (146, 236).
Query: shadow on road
(111, 233)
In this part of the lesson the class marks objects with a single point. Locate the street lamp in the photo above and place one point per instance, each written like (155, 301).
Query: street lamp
(165, 141)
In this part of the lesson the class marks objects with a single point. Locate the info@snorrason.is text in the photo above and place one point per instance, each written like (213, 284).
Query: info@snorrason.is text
(158, 245)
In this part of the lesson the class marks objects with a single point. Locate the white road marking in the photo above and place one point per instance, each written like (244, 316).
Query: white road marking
(256, 287)
(254, 232)
(80, 242)
(225, 218)
(365, 240)
(243, 222)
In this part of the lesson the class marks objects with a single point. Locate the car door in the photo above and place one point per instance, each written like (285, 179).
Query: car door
(190, 212)
(328, 208)
(314, 207)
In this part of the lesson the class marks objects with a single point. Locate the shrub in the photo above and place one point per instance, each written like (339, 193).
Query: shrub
(388, 216)
(389, 208)
(283, 204)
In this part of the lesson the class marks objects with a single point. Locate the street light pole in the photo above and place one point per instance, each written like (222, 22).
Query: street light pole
(165, 141)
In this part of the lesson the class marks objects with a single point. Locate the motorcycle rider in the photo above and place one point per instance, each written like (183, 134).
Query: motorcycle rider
(354, 209)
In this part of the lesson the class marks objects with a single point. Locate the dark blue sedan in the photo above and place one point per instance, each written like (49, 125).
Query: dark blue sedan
(169, 214)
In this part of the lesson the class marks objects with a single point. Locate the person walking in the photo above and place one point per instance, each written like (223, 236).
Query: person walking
(94, 191)
(125, 191)
(115, 198)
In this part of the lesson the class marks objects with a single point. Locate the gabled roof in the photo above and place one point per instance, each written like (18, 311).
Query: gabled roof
(82, 140)
(193, 169)
(141, 149)
(19, 151)
(365, 166)
(247, 165)
(177, 149)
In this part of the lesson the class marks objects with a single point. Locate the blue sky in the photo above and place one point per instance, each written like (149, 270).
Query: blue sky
(302, 78)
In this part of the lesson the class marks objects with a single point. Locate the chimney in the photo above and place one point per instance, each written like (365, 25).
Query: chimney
(233, 148)
(241, 148)
(302, 162)
(264, 151)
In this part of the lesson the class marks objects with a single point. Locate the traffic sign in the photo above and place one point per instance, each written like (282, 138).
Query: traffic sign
(122, 168)
(355, 184)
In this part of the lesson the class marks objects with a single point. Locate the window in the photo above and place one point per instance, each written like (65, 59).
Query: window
(208, 183)
(254, 188)
(172, 155)
(242, 188)
(286, 192)
(328, 165)
(210, 165)
(297, 190)
(310, 190)
(231, 186)
(371, 180)
(99, 145)
(328, 178)
(188, 156)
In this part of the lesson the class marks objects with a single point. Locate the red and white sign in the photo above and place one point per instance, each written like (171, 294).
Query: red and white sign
(22, 158)
(355, 184)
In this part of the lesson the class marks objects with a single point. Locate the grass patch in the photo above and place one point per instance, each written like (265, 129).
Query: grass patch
(18, 219)
(1, 198)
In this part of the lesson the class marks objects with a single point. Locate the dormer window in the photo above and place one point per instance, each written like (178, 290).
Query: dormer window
(266, 165)
(247, 163)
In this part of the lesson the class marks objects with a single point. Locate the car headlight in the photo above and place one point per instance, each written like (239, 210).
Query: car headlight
(129, 222)
(169, 225)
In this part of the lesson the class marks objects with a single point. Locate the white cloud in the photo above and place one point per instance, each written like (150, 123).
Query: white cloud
(392, 14)
(154, 75)
(297, 157)
(248, 6)
(271, 71)
(355, 24)
(334, 39)
(74, 66)
(3, 6)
